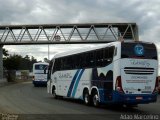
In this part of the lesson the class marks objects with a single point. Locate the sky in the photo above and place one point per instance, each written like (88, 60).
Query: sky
(146, 13)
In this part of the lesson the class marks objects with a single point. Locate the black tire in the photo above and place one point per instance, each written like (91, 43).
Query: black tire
(95, 99)
(54, 94)
(86, 97)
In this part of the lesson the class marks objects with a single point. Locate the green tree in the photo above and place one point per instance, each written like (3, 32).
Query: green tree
(17, 62)
(12, 62)
(5, 52)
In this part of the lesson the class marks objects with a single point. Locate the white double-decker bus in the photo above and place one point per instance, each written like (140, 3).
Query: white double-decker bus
(39, 77)
(124, 73)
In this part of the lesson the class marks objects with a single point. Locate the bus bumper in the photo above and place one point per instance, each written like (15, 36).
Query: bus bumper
(133, 99)
(40, 83)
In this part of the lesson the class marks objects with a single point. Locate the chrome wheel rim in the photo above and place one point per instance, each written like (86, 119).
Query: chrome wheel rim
(86, 98)
(95, 100)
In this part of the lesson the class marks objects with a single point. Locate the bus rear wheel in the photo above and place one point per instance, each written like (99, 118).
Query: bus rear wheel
(86, 97)
(95, 99)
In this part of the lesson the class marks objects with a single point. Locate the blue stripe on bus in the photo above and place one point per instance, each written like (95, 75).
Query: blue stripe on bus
(77, 82)
(72, 84)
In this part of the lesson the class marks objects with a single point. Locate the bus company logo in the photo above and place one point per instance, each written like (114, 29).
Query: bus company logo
(139, 50)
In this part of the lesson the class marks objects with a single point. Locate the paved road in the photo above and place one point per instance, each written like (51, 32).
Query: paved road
(23, 98)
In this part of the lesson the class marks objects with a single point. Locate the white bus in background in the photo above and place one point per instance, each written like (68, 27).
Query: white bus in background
(124, 73)
(39, 77)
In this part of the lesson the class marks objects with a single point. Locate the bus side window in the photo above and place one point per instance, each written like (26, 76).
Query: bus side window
(75, 61)
(78, 64)
(82, 60)
(90, 59)
(111, 52)
(99, 58)
(87, 60)
(56, 66)
(106, 56)
(64, 64)
(70, 62)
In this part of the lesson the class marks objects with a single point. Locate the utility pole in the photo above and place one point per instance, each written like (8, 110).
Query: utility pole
(48, 53)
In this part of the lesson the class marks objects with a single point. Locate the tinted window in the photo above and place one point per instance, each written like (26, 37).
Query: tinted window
(57, 65)
(138, 50)
(96, 58)
(40, 67)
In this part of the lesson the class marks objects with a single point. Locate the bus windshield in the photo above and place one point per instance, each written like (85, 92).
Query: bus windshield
(138, 50)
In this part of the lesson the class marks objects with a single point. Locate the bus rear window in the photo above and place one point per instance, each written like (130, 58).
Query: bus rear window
(40, 67)
(138, 50)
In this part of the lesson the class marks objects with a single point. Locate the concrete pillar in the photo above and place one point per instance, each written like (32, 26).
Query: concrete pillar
(1, 63)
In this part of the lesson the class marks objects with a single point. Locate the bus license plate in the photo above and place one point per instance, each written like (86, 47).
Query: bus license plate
(139, 98)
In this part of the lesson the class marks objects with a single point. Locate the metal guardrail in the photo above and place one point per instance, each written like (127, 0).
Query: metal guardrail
(67, 33)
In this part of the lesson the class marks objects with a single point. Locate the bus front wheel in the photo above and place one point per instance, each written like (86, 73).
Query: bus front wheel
(54, 93)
